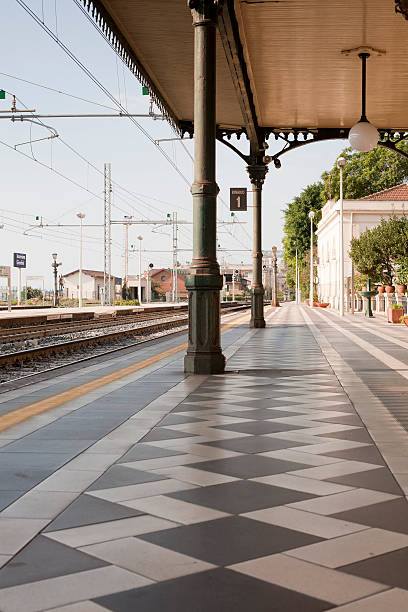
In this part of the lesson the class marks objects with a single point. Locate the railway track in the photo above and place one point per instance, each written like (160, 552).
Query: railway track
(22, 357)
(20, 334)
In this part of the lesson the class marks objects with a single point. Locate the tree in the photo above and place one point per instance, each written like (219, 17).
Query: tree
(32, 293)
(381, 253)
(126, 292)
(297, 227)
(366, 173)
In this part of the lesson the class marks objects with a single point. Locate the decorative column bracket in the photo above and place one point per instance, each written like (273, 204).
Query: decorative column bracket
(257, 173)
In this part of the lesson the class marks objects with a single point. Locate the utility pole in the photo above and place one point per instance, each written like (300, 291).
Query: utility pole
(80, 216)
(175, 271)
(125, 284)
(107, 254)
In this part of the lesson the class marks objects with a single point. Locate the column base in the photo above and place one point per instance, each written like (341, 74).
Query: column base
(204, 363)
(257, 323)
(257, 308)
(204, 354)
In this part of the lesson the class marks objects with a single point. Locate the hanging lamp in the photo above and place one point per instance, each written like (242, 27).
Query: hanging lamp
(363, 136)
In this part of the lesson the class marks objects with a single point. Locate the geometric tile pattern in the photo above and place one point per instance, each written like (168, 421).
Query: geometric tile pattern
(260, 491)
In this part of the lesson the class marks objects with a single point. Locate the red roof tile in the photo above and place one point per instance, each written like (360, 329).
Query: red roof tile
(398, 192)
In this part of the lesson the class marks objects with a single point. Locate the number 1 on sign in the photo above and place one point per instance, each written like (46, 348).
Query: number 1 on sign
(239, 202)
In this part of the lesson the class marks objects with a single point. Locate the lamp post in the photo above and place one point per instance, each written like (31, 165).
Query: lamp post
(139, 289)
(341, 164)
(80, 216)
(311, 217)
(55, 271)
(149, 282)
(297, 280)
(275, 277)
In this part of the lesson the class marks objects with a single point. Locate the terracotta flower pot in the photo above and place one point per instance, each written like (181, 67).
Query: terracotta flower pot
(389, 288)
(401, 289)
(380, 289)
(394, 315)
(324, 304)
(406, 321)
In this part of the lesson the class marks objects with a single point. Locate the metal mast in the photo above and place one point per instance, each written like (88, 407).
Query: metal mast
(175, 245)
(107, 256)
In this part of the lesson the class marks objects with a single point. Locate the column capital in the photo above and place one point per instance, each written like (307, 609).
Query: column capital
(257, 174)
(204, 10)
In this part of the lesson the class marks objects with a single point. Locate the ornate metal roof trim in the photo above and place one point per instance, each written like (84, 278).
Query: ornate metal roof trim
(120, 45)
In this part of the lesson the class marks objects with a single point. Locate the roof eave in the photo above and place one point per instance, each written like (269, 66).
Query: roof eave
(117, 40)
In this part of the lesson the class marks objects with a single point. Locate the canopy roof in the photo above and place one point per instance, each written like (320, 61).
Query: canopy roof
(280, 64)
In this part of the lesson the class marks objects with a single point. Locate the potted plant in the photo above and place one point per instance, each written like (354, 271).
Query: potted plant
(404, 320)
(401, 269)
(395, 313)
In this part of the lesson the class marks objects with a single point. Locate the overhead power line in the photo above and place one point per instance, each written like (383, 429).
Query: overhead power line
(93, 78)
(59, 91)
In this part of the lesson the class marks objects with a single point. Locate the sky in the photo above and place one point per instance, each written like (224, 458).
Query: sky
(59, 177)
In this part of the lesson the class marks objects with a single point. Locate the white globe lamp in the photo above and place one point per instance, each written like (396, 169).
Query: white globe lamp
(363, 136)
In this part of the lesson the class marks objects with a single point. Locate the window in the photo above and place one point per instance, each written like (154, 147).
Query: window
(163, 278)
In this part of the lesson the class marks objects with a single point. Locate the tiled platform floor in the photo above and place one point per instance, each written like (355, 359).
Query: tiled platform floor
(258, 490)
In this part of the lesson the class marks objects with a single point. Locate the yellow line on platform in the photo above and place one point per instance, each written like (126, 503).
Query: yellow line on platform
(22, 414)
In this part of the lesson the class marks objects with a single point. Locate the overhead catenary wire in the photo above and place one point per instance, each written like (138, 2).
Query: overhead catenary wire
(78, 62)
(100, 85)
(59, 91)
(105, 91)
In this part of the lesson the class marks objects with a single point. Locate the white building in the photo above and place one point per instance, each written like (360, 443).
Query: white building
(92, 285)
(358, 215)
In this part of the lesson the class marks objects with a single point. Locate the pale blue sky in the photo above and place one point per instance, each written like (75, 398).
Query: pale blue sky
(156, 189)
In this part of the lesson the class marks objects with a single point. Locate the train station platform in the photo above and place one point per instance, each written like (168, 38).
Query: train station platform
(280, 485)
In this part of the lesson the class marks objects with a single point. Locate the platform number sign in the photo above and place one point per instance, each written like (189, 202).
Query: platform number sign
(238, 198)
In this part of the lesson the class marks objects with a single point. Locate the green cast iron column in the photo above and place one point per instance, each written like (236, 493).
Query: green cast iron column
(204, 355)
(257, 173)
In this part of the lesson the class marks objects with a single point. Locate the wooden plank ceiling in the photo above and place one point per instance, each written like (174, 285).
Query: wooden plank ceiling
(298, 76)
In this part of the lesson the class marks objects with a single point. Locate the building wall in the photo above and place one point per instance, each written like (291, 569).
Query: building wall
(358, 216)
(91, 286)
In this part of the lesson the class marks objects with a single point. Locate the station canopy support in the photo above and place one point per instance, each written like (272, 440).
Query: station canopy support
(284, 71)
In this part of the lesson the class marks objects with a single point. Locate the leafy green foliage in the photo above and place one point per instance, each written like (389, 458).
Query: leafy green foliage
(29, 293)
(297, 232)
(381, 253)
(366, 173)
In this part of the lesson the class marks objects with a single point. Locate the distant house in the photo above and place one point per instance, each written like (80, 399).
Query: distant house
(358, 216)
(162, 282)
(92, 285)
